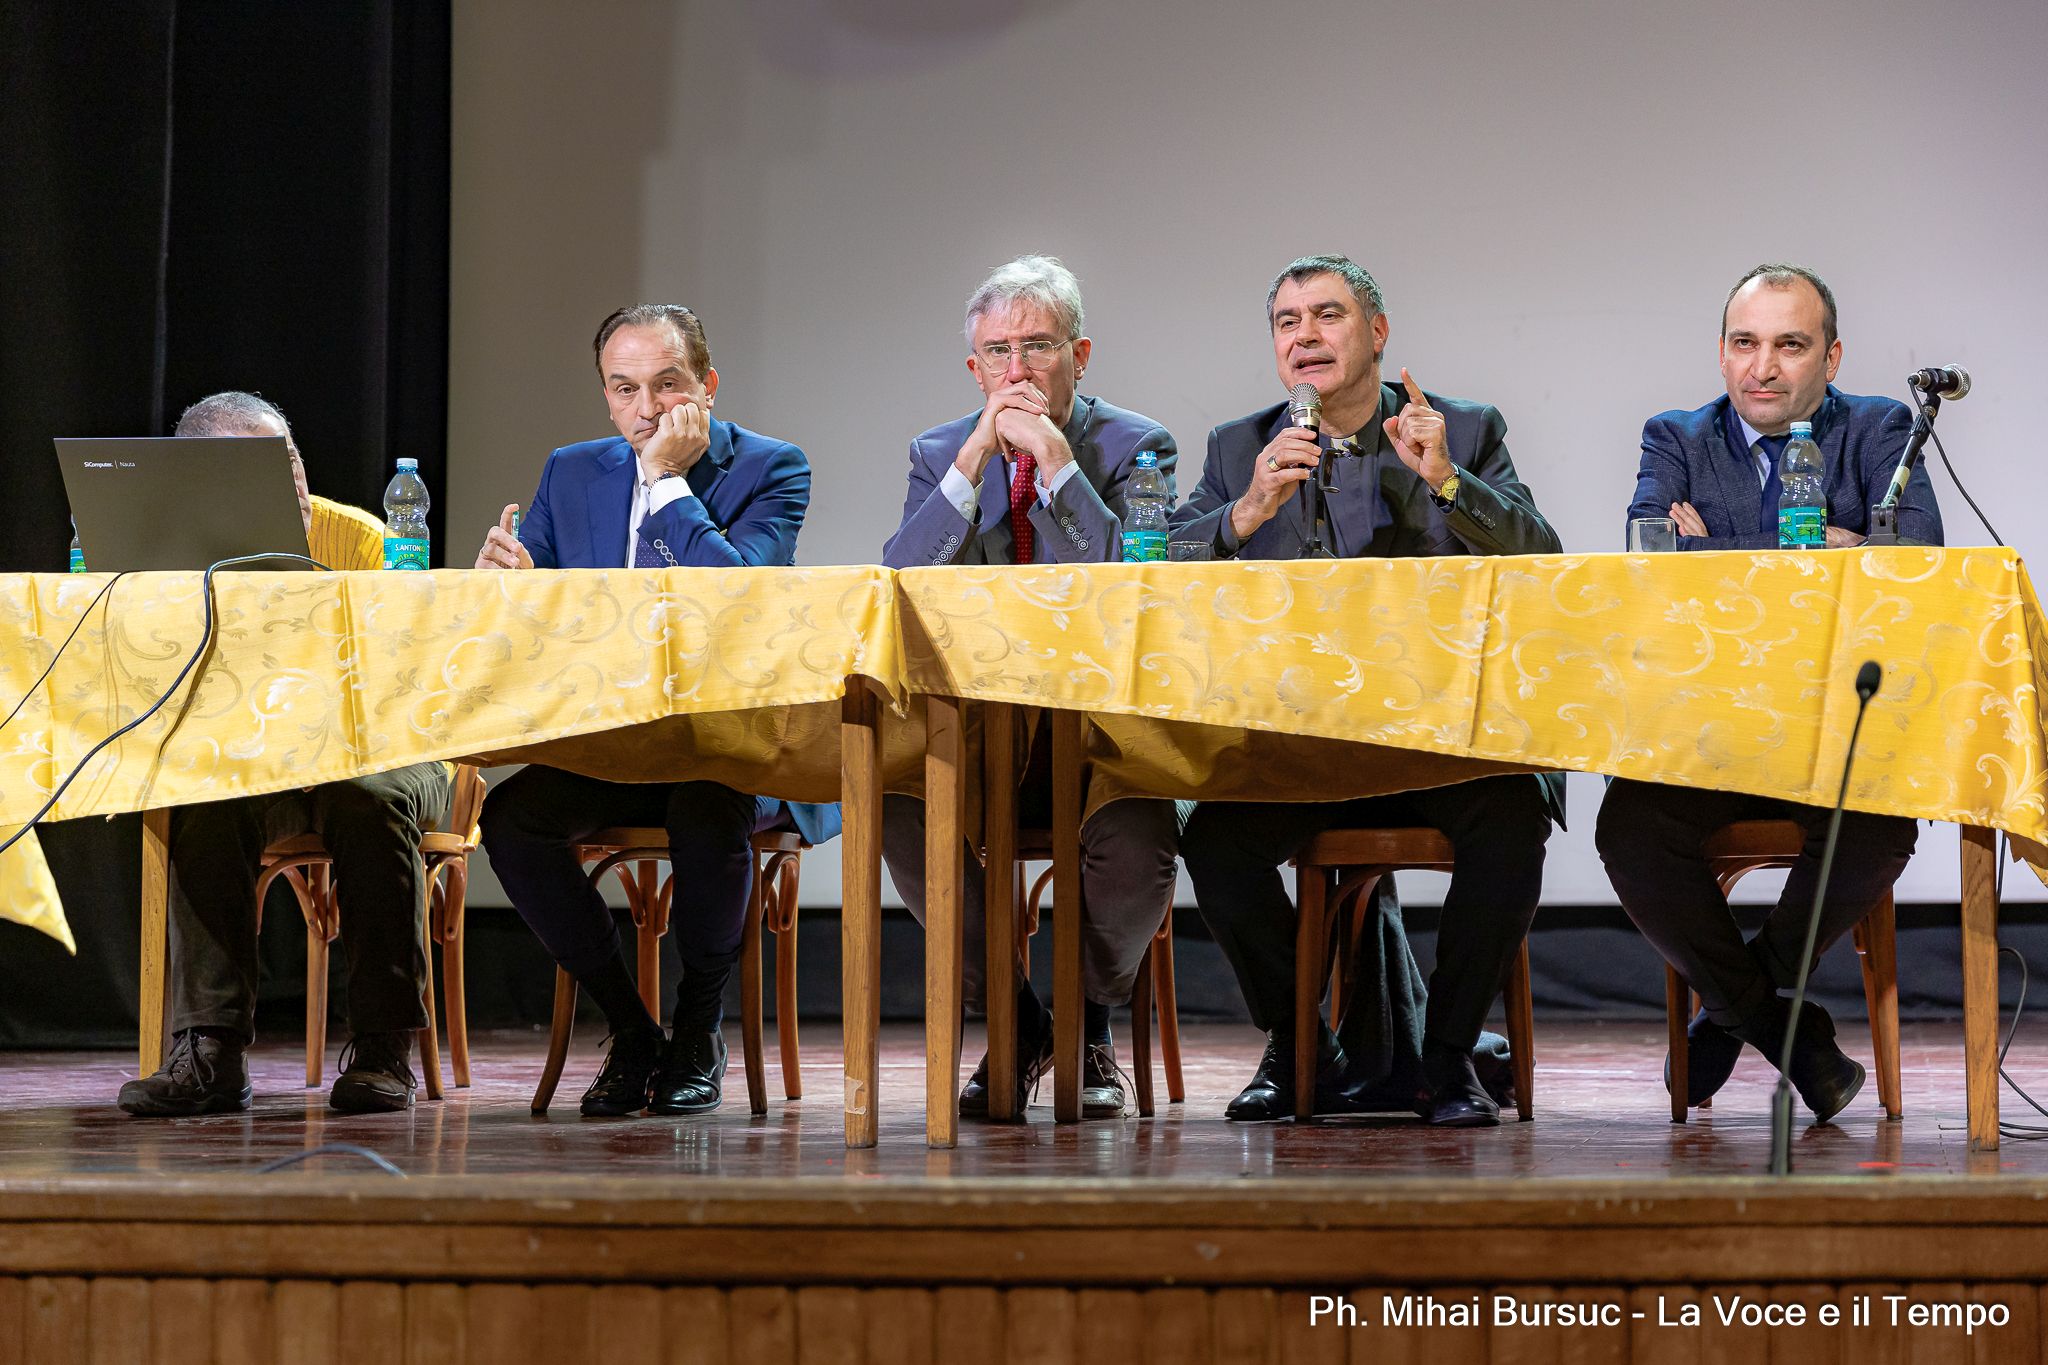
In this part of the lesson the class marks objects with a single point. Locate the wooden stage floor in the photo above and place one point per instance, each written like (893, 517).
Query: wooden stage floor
(733, 1239)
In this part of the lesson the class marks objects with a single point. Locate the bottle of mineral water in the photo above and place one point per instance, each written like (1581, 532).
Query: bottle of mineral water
(405, 519)
(1147, 504)
(77, 551)
(1803, 499)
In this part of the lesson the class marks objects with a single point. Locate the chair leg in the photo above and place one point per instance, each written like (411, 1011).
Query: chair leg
(785, 1011)
(316, 903)
(750, 997)
(1311, 897)
(1521, 1011)
(559, 1030)
(1676, 1018)
(649, 936)
(1168, 1004)
(430, 1038)
(455, 1000)
(1141, 1033)
(1877, 950)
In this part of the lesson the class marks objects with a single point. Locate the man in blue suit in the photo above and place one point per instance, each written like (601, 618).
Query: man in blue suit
(1714, 470)
(1038, 475)
(675, 488)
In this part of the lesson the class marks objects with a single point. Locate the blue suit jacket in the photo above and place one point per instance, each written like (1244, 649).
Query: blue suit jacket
(1082, 524)
(751, 493)
(1689, 457)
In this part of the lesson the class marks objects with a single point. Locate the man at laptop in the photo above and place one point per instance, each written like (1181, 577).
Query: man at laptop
(372, 827)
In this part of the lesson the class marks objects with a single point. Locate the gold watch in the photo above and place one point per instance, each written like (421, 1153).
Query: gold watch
(1447, 496)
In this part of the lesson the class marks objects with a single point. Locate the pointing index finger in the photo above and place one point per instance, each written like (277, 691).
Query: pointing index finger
(505, 517)
(1415, 394)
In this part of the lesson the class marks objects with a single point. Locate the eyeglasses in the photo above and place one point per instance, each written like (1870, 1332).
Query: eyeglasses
(1038, 355)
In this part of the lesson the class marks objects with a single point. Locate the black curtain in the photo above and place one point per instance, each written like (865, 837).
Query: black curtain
(199, 195)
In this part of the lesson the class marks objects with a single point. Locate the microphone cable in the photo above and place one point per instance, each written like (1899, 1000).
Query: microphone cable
(205, 643)
(44, 676)
(1935, 436)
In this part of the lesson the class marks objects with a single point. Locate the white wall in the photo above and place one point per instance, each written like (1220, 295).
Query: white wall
(1555, 197)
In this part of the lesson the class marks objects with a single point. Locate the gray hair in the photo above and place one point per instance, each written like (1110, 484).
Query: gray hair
(1030, 279)
(1363, 286)
(232, 414)
(1783, 275)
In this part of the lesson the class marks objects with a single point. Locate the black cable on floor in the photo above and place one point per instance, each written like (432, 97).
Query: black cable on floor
(332, 1149)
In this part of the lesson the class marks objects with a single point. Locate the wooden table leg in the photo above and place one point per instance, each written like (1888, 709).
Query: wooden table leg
(860, 794)
(153, 1023)
(999, 901)
(944, 867)
(1066, 915)
(1980, 985)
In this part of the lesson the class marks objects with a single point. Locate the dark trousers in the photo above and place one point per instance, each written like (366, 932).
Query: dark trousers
(532, 820)
(1127, 877)
(1653, 838)
(372, 827)
(1498, 827)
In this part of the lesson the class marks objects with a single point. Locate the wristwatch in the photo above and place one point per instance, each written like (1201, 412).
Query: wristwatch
(1447, 496)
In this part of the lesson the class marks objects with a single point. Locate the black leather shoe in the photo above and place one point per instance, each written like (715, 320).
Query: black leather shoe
(1034, 1059)
(1105, 1092)
(625, 1080)
(1270, 1095)
(1456, 1098)
(203, 1075)
(376, 1075)
(691, 1074)
(1710, 1056)
(1826, 1078)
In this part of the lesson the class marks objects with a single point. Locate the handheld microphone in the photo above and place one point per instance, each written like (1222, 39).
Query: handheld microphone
(1868, 679)
(1941, 381)
(1305, 407)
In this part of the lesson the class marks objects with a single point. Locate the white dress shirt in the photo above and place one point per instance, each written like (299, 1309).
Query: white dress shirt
(965, 496)
(648, 500)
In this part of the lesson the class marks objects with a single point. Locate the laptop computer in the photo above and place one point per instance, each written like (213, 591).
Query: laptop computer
(182, 502)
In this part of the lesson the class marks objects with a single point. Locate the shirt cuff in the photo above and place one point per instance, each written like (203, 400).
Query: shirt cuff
(965, 496)
(1046, 490)
(666, 491)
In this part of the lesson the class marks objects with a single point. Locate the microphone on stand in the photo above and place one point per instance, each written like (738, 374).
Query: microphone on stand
(1929, 386)
(1868, 679)
(1305, 409)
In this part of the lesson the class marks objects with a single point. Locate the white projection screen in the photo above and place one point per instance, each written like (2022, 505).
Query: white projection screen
(1555, 198)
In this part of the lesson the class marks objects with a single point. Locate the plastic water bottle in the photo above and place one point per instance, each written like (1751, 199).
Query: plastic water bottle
(77, 551)
(1803, 501)
(1146, 507)
(405, 519)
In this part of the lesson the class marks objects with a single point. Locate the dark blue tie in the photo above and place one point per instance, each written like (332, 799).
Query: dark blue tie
(1773, 448)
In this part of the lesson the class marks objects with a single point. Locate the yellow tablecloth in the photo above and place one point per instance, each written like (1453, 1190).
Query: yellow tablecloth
(1255, 681)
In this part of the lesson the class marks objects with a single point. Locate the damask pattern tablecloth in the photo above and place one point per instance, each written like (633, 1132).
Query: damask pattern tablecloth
(1276, 681)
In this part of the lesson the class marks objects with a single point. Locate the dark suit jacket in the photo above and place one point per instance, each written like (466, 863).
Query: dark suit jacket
(1688, 457)
(1384, 509)
(751, 494)
(1082, 525)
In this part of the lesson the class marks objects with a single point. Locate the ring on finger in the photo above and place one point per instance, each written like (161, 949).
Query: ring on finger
(1273, 463)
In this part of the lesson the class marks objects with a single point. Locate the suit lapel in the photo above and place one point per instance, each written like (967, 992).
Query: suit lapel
(998, 546)
(609, 509)
(707, 473)
(1742, 493)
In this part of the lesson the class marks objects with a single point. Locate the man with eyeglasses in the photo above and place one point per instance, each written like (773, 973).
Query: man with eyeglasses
(1037, 476)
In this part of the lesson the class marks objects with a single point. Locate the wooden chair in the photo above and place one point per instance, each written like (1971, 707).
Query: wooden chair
(635, 855)
(1338, 870)
(1735, 851)
(308, 869)
(1153, 988)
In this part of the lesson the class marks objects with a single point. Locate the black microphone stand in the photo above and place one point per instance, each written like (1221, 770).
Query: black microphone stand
(1867, 681)
(1884, 518)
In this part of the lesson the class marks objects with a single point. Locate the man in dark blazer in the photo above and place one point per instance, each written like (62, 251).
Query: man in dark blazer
(1435, 479)
(676, 487)
(1714, 471)
(1038, 475)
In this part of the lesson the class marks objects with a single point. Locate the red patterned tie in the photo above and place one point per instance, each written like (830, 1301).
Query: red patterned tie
(1023, 492)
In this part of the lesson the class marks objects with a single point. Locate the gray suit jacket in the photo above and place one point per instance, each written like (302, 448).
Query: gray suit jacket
(1384, 509)
(1084, 522)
